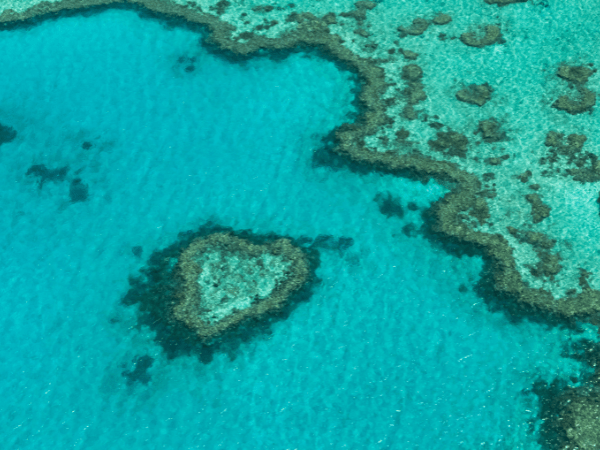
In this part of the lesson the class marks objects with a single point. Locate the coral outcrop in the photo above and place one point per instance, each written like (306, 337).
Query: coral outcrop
(491, 35)
(475, 94)
(585, 99)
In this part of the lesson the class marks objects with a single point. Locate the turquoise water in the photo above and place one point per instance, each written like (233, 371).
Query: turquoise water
(387, 354)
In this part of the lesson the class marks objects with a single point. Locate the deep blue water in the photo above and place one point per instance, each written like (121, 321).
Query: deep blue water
(388, 353)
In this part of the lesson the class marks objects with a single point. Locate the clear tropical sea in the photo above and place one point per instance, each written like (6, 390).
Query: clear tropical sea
(129, 132)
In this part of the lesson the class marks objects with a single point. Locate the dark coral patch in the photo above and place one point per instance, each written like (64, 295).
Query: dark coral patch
(7, 134)
(156, 291)
(45, 174)
(389, 205)
(78, 191)
(442, 19)
(451, 143)
(418, 26)
(492, 35)
(411, 72)
(490, 130)
(475, 94)
(575, 74)
(585, 98)
(569, 157)
(583, 102)
(137, 251)
(410, 230)
(539, 210)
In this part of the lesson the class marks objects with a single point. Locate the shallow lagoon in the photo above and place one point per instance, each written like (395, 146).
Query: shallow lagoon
(386, 344)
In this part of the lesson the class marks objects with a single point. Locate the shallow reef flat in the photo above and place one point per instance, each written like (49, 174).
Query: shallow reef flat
(495, 99)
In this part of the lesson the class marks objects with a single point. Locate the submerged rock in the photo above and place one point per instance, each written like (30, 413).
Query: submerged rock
(226, 279)
(475, 94)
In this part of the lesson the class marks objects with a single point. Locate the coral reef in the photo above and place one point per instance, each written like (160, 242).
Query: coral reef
(465, 220)
(226, 279)
(352, 146)
(214, 288)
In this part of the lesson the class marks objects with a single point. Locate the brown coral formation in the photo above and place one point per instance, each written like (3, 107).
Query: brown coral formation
(418, 26)
(475, 94)
(539, 210)
(570, 158)
(584, 101)
(585, 98)
(442, 19)
(450, 143)
(414, 91)
(548, 264)
(490, 130)
(360, 13)
(226, 279)
(492, 35)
